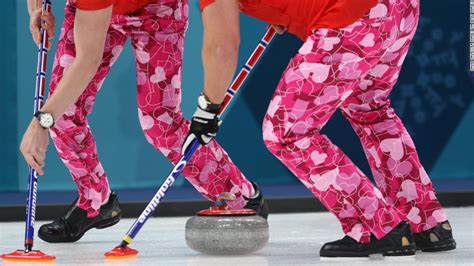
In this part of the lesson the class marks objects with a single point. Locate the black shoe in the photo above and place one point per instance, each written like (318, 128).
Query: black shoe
(439, 238)
(74, 223)
(257, 203)
(398, 242)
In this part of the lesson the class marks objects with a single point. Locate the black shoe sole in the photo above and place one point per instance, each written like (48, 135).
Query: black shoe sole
(109, 222)
(400, 252)
(441, 246)
(101, 225)
(386, 252)
(62, 240)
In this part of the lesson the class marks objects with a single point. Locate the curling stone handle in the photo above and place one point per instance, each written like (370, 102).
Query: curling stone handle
(222, 199)
(225, 197)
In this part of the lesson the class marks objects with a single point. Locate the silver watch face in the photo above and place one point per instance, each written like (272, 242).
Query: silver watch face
(202, 102)
(46, 120)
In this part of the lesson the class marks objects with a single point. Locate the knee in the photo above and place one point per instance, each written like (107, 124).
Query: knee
(67, 135)
(367, 115)
(162, 126)
(72, 122)
(282, 134)
(273, 141)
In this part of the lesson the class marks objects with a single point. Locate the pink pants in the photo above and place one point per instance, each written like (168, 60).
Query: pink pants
(354, 69)
(157, 36)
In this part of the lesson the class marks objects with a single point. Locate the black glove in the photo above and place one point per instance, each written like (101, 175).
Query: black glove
(204, 124)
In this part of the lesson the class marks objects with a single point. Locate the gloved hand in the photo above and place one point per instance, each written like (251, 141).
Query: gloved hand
(204, 124)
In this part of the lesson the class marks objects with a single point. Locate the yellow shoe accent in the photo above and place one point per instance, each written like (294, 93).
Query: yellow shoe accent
(446, 226)
(433, 238)
(405, 241)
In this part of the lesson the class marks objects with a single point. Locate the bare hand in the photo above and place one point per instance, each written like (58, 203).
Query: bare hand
(49, 23)
(34, 144)
(279, 29)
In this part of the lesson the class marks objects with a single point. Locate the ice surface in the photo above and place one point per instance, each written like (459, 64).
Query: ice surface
(295, 239)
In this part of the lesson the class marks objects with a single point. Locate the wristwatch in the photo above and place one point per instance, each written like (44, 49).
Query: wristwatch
(205, 104)
(46, 120)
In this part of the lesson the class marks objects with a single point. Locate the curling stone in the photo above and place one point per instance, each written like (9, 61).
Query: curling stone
(222, 231)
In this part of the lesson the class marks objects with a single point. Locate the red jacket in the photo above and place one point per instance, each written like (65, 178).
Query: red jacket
(301, 17)
(120, 6)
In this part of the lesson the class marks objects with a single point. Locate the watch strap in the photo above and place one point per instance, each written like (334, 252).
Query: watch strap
(38, 116)
(210, 107)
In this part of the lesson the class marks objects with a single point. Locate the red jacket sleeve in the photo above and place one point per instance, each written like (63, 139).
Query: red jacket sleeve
(205, 3)
(93, 4)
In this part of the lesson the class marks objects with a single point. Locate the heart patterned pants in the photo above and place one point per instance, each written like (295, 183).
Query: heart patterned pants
(157, 37)
(354, 69)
